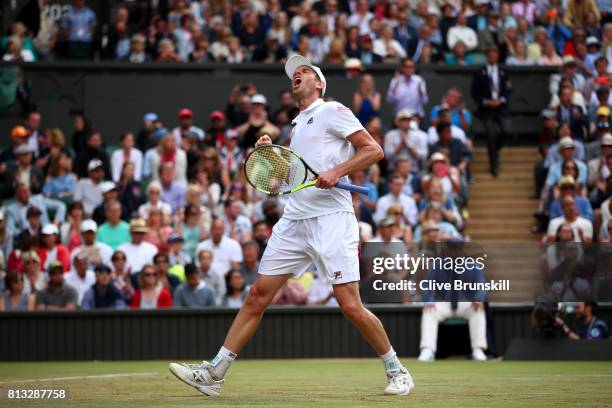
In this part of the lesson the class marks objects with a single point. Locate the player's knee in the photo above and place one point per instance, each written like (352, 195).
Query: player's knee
(256, 300)
(352, 310)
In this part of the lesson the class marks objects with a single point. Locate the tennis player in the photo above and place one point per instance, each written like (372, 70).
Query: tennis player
(318, 226)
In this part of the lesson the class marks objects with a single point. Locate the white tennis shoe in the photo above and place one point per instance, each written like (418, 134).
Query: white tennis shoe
(198, 376)
(478, 354)
(400, 384)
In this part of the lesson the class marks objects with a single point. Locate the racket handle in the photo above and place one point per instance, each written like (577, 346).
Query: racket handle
(353, 188)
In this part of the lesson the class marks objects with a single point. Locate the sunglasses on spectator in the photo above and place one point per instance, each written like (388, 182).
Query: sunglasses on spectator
(150, 274)
(118, 259)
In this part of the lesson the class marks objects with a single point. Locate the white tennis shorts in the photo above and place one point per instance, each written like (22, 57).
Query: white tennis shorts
(329, 241)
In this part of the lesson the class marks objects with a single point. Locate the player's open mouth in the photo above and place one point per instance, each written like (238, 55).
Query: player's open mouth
(297, 82)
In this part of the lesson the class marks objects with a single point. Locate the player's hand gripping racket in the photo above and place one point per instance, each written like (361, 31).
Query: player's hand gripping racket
(276, 170)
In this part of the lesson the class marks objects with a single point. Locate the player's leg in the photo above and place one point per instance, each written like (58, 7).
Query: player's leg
(431, 317)
(372, 330)
(477, 322)
(246, 322)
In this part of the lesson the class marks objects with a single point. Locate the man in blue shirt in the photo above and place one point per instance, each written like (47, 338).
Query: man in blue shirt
(453, 103)
(194, 293)
(78, 28)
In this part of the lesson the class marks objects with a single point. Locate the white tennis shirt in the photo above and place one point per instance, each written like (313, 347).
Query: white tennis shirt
(319, 136)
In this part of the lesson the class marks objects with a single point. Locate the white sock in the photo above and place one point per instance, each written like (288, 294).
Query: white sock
(391, 362)
(221, 363)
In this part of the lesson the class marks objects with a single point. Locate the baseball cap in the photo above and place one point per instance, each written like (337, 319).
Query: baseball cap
(353, 63)
(567, 180)
(427, 226)
(566, 142)
(151, 117)
(107, 186)
(185, 113)
(365, 37)
(259, 98)
(89, 225)
(50, 229)
(174, 237)
(94, 164)
(387, 222)
(159, 133)
(138, 225)
(592, 40)
(216, 115)
(19, 132)
(231, 134)
(606, 139)
(405, 114)
(436, 157)
(569, 60)
(297, 61)
(548, 113)
(23, 149)
(603, 111)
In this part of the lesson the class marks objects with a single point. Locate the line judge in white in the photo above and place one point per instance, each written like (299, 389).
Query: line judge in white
(318, 226)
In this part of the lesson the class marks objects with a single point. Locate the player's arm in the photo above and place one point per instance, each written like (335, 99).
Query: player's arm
(368, 153)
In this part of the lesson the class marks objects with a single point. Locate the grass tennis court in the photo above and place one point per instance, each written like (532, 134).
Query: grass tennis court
(321, 383)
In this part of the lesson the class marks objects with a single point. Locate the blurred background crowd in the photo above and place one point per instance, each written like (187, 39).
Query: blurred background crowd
(165, 217)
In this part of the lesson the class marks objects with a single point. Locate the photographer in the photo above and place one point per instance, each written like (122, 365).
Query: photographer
(588, 326)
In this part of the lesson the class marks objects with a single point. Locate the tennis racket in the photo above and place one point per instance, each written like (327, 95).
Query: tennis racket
(276, 170)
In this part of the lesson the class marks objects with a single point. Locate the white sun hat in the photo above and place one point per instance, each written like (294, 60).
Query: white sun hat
(297, 61)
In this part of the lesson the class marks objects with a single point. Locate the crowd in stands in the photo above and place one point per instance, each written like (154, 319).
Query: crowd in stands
(454, 32)
(166, 217)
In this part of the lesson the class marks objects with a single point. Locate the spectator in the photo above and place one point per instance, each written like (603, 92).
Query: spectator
(461, 32)
(460, 117)
(33, 227)
(34, 279)
(453, 148)
(81, 278)
(185, 117)
(195, 293)
(62, 182)
(201, 52)
(250, 264)
(157, 232)
(93, 151)
(524, 9)
(389, 48)
(519, 57)
(154, 201)
(582, 228)
(408, 90)
(214, 280)
(176, 255)
(22, 171)
(227, 253)
(173, 190)
(166, 51)
(150, 294)
(58, 295)
(366, 100)
(417, 46)
(361, 17)
(238, 226)
(103, 294)
(15, 213)
(435, 215)
(137, 53)
(161, 263)
(122, 278)
(407, 139)
(549, 55)
(78, 30)
(89, 189)
(491, 91)
(97, 252)
(115, 231)
(366, 50)
(125, 154)
(257, 120)
(52, 250)
(535, 49)
(558, 33)
(588, 327)
(70, 231)
(575, 15)
(571, 114)
(14, 299)
(6, 241)
(567, 185)
(138, 251)
(236, 290)
(396, 196)
(230, 154)
(169, 152)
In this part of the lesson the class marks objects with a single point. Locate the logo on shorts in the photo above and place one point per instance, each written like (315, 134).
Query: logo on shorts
(338, 275)
(310, 120)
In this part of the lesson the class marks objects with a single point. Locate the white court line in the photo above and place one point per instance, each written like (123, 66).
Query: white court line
(85, 377)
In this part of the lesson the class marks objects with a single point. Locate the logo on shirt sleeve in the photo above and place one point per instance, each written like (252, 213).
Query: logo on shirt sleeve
(342, 108)
(310, 120)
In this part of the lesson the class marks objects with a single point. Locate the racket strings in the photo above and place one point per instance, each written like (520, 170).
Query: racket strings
(274, 169)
